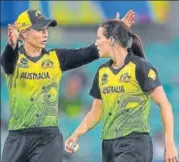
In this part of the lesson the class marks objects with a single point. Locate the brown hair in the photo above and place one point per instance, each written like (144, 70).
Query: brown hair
(120, 32)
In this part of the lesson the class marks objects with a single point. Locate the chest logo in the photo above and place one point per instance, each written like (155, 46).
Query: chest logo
(47, 64)
(104, 79)
(125, 77)
(23, 63)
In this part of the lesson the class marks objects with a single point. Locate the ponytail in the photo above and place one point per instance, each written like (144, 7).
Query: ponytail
(136, 46)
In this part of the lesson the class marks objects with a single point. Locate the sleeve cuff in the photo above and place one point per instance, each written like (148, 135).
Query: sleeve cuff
(95, 50)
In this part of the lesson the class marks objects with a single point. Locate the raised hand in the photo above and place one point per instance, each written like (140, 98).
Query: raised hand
(13, 35)
(128, 19)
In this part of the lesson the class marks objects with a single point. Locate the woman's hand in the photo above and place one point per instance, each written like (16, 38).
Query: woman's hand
(71, 139)
(128, 19)
(13, 35)
(171, 153)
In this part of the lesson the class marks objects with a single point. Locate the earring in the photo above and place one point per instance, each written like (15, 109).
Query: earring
(112, 41)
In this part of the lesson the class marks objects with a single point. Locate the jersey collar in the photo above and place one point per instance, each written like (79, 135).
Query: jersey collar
(22, 50)
(126, 61)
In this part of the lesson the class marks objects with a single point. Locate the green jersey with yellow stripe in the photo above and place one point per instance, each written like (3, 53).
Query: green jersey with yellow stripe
(125, 97)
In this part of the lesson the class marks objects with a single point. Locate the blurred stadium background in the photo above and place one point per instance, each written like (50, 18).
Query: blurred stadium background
(157, 22)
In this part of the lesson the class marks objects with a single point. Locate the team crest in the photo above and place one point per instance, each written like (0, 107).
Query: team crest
(39, 14)
(104, 78)
(152, 74)
(47, 64)
(125, 77)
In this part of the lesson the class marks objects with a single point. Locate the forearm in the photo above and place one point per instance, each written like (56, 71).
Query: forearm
(73, 58)
(160, 98)
(9, 58)
(168, 124)
(87, 124)
(86, 55)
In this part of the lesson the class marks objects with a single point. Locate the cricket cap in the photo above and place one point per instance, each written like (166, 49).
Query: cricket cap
(33, 19)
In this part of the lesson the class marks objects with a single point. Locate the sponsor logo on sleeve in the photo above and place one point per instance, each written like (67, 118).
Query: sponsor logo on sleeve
(152, 74)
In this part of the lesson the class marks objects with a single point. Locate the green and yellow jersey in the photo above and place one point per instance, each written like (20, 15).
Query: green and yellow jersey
(124, 95)
(33, 83)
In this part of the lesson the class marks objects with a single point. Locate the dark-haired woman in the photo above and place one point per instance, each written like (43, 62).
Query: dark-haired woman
(122, 89)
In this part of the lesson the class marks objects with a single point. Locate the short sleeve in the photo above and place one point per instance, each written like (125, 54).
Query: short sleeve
(95, 90)
(147, 76)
